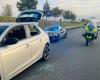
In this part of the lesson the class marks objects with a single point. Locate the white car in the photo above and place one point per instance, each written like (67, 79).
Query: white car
(21, 45)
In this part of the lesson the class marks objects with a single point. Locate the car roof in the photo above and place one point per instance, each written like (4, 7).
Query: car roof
(14, 23)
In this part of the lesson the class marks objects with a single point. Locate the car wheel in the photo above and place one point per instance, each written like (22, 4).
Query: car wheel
(46, 53)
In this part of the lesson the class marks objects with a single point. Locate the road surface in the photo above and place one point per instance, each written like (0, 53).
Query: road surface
(70, 60)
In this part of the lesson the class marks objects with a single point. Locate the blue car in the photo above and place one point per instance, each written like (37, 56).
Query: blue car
(56, 32)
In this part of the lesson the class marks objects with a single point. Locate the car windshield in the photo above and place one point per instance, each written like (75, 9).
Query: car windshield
(52, 29)
(2, 29)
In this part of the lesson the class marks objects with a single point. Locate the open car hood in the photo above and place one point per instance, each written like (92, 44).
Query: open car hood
(29, 16)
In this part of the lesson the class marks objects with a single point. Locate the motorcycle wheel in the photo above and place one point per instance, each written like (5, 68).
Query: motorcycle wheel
(87, 42)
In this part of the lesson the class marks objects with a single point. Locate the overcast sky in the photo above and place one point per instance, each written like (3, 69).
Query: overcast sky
(83, 8)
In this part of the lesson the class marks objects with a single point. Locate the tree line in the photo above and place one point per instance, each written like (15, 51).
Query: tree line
(23, 5)
(66, 14)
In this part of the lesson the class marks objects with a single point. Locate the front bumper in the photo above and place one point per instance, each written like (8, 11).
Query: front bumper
(53, 38)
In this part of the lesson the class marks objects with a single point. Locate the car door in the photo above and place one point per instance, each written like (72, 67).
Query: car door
(15, 57)
(36, 42)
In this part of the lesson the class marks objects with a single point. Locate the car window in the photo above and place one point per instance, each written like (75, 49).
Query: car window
(29, 15)
(51, 29)
(18, 32)
(33, 30)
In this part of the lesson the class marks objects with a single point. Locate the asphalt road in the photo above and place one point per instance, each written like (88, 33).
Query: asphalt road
(70, 60)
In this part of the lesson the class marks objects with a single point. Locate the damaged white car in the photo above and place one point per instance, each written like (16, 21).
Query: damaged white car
(21, 45)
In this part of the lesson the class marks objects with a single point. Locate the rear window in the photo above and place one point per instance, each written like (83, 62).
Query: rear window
(28, 15)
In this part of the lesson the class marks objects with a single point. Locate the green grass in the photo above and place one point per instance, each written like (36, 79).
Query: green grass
(7, 19)
(65, 24)
(71, 24)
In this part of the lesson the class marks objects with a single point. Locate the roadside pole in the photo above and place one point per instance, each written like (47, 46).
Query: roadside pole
(46, 10)
(46, 18)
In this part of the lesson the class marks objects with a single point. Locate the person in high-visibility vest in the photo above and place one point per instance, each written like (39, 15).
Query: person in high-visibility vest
(91, 27)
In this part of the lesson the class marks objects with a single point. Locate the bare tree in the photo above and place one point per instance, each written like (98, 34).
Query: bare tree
(7, 10)
(69, 15)
(56, 12)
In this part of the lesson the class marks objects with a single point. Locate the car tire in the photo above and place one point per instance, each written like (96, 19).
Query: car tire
(46, 53)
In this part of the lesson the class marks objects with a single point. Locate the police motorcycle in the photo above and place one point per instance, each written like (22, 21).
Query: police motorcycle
(90, 36)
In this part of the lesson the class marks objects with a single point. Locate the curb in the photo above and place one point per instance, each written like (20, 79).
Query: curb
(73, 27)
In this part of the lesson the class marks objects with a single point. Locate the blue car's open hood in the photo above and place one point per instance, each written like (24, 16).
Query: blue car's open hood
(29, 16)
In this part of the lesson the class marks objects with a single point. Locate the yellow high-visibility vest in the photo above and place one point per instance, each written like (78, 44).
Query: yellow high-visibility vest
(94, 30)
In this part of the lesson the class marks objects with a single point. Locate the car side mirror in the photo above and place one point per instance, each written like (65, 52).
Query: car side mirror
(61, 29)
(10, 41)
